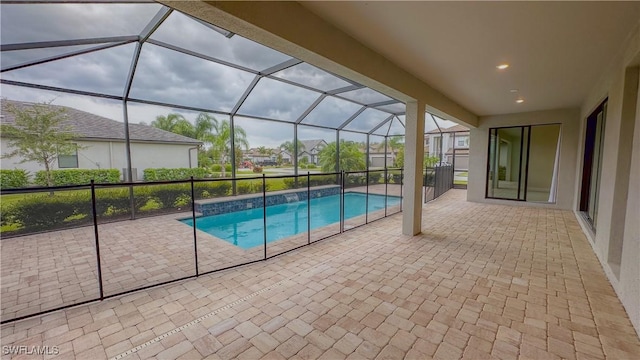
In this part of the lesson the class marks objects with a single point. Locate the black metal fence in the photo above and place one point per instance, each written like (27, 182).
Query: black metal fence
(69, 245)
(437, 181)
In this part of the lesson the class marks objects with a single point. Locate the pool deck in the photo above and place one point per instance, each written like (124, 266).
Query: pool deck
(49, 270)
(481, 282)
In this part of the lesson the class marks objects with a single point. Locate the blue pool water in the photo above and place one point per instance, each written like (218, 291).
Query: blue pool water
(245, 228)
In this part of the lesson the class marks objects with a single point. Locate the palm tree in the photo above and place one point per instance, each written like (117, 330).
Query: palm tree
(222, 142)
(351, 158)
(205, 128)
(175, 123)
(289, 148)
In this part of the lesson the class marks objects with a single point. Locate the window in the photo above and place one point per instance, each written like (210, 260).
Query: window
(523, 163)
(68, 161)
(462, 142)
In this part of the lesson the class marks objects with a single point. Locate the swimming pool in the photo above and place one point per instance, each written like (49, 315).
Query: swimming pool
(245, 228)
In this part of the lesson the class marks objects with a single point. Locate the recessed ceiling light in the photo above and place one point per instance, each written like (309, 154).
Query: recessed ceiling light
(513, 90)
(502, 66)
(520, 101)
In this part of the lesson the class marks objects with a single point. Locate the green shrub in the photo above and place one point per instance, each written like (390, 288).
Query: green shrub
(374, 177)
(13, 179)
(290, 183)
(429, 178)
(78, 176)
(43, 212)
(170, 196)
(165, 174)
(318, 180)
(250, 187)
(354, 180)
(216, 168)
(211, 189)
(227, 168)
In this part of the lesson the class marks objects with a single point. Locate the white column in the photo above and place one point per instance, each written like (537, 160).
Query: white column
(413, 158)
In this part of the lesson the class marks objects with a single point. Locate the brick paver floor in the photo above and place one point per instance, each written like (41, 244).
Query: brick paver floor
(482, 281)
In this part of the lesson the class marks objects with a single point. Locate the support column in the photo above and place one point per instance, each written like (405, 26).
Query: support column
(413, 159)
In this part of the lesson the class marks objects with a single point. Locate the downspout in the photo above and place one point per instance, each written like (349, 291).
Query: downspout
(192, 148)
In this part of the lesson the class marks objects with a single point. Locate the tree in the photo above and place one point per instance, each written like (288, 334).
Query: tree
(175, 123)
(288, 147)
(431, 161)
(396, 144)
(399, 161)
(38, 134)
(221, 148)
(351, 158)
(204, 129)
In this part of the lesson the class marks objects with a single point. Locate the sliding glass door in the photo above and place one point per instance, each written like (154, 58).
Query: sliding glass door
(591, 168)
(523, 163)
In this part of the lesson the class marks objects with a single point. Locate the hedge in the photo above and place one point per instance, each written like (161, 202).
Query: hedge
(73, 208)
(164, 174)
(78, 176)
(316, 180)
(250, 186)
(13, 179)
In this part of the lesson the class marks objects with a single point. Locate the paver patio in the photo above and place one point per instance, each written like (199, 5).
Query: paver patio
(482, 281)
(46, 271)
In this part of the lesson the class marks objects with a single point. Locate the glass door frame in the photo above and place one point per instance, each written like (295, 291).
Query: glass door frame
(593, 146)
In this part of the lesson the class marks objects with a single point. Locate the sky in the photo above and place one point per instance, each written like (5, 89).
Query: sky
(169, 76)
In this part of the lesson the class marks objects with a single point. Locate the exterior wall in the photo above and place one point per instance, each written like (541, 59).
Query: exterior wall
(462, 161)
(479, 141)
(617, 237)
(111, 155)
(148, 155)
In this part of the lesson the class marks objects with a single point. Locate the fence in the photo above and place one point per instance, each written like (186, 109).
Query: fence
(69, 245)
(437, 181)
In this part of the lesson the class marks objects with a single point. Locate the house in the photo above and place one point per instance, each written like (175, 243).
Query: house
(272, 155)
(101, 144)
(255, 156)
(310, 150)
(377, 155)
(455, 145)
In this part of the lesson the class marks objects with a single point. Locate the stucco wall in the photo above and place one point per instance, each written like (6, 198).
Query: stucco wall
(479, 142)
(617, 237)
(111, 155)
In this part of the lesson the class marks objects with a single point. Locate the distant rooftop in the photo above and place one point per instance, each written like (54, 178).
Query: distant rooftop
(89, 126)
(452, 129)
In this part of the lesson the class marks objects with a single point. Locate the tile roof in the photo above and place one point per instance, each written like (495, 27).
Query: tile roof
(310, 144)
(91, 127)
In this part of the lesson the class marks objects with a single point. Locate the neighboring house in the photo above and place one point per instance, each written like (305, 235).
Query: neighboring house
(454, 139)
(286, 157)
(377, 154)
(311, 150)
(101, 145)
(253, 155)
